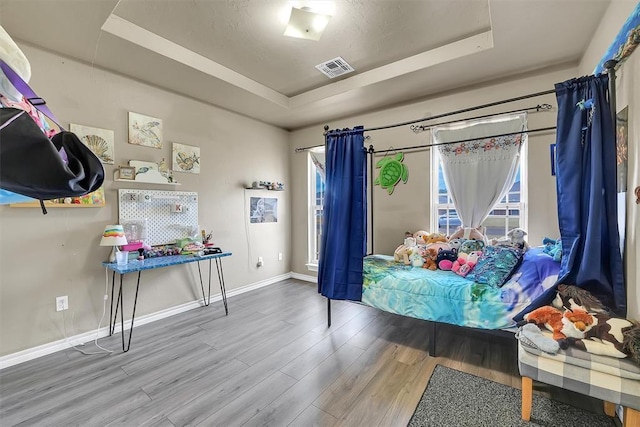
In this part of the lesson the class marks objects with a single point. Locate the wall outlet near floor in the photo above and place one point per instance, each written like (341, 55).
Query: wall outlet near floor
(260, 261)
(279, 256)
(62, 303)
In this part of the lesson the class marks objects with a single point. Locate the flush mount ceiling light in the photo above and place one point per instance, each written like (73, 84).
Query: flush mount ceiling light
(305, 24)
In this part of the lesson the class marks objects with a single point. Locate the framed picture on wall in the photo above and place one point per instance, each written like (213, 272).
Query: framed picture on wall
(186, 158)
(99, 141)
(145, 130)
(127, 172)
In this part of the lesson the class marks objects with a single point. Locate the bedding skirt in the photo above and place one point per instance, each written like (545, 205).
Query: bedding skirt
(443, 296)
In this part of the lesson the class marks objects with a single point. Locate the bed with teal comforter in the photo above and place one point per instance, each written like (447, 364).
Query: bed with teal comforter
(443, 296)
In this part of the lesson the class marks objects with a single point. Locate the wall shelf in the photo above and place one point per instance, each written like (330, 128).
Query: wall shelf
(146, 182)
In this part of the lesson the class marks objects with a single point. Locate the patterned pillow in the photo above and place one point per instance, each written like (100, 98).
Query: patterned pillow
(496, 265)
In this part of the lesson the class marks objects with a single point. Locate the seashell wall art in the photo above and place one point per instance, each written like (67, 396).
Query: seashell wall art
(100, 141)
(186, 158)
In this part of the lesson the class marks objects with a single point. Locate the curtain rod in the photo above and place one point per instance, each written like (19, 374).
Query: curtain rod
(453, 113)
(537, 108)
(415, 147)
(418, 129)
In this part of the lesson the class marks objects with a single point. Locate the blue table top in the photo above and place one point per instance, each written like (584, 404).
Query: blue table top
(160, 262)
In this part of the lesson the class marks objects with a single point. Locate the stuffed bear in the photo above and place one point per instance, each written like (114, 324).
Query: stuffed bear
(430, 259)
(465, 263)
(446, 258)
(403, 251)
(421, 237)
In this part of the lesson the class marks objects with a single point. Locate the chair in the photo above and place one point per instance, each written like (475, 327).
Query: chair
(615, 381)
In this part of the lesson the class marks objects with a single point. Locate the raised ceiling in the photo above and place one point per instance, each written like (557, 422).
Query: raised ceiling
(232, 53)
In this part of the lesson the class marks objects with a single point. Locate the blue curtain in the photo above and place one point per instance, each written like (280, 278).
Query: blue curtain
(345, 205)
(586, 185)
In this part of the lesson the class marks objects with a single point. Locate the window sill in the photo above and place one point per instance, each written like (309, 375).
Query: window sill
(312, 267)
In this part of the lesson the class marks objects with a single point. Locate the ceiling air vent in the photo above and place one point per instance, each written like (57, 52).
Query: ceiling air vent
(335, 67)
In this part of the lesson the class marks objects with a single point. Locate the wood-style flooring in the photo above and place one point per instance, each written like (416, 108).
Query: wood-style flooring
(271, 361)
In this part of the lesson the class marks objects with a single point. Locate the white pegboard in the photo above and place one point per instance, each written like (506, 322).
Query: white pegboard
(164, 224)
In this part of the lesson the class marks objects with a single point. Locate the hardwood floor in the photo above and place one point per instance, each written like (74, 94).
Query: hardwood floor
(272, 361)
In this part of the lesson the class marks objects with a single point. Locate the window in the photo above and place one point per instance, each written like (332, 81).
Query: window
(509, 213)
(316, 204)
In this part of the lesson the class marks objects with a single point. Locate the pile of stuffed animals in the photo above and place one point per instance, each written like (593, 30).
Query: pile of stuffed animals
(459, 253)
(578, 319)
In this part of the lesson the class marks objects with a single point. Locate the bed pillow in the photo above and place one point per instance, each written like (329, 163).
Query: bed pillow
(496, 265)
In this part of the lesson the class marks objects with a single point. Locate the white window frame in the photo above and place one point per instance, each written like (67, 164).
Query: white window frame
(313, 208)
(522, 206)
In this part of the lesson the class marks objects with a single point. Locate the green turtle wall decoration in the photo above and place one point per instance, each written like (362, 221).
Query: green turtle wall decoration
(392, 170)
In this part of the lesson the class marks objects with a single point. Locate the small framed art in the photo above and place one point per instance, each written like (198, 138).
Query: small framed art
(127, 172)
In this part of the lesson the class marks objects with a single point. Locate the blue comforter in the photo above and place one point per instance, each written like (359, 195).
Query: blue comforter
(444, 296)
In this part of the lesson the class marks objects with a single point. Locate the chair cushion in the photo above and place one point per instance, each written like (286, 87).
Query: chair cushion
(607, 378)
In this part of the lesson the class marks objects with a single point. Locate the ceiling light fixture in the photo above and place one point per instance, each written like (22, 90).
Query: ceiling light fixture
(305, 24)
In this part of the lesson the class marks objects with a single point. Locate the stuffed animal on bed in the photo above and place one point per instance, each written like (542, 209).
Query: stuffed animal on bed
(456, 243)
(553, 248)
(430, 257)
(436, 237)
(446, 258)
(416, 259)
(468, 233)
(421, 237)
(465, 263)
(403, 251)
(516, 237)
(471, 245)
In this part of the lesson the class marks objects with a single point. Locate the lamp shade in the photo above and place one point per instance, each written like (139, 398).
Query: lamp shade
(113, 236)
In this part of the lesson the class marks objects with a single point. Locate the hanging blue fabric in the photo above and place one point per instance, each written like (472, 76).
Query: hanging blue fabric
(586, 185)
(345, 205)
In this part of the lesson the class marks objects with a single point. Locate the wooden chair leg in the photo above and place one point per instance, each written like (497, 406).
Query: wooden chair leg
(527, 397)
(631, 418)
(610, 408)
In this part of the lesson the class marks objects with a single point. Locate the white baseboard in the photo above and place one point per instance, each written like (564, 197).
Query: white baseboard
(52, 347)
(305, 277)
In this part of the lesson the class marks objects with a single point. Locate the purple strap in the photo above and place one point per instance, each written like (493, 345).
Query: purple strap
(27, 92)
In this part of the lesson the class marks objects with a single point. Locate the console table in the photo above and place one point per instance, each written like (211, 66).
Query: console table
(153, 263)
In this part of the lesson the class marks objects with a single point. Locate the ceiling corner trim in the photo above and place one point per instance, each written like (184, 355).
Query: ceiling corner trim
(135, 34)
(430, 58)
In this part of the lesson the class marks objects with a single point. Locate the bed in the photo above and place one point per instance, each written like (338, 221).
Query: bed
(443, 296)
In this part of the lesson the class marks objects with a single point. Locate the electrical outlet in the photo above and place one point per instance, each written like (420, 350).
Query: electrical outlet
(260, 261)
(62, 303)
(279, 256)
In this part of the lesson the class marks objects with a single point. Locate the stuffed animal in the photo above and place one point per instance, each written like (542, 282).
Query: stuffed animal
(465, 263)
(421, 237)
(416, 259)
(430, 259)
(446, 258)
(403, 251)
(456, 243)
(435, 238)
(468, 233)
(574, 324)
(471, 246)
(607, 337)
(553, 248)
(516, 236)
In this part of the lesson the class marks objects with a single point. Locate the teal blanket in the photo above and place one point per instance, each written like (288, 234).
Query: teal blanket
(444, 296)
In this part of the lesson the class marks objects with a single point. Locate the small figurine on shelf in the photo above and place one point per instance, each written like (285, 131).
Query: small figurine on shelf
(141, 254)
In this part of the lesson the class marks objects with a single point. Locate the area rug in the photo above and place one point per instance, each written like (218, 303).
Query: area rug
(454, 398)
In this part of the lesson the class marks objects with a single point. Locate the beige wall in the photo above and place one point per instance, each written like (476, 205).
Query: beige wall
(628, 94)
(408, 207)
(42, 257)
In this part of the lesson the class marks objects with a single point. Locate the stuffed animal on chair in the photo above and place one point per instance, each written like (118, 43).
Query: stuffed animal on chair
(573, 324)
(571, 297)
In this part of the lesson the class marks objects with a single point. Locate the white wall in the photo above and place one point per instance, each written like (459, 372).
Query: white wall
(409, 206)
(628, 94)
(42, 257)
